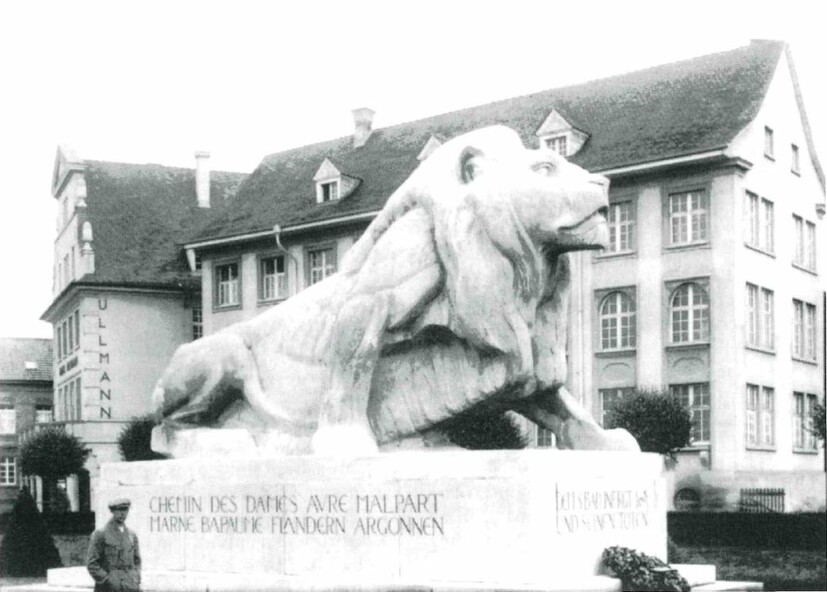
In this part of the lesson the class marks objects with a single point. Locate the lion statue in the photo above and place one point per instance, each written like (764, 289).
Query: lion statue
(454, 298)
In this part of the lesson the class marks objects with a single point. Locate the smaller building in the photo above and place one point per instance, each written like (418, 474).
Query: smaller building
(25, 400)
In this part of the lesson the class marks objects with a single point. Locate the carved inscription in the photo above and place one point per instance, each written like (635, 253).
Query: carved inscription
(586, 510)
(366, 514)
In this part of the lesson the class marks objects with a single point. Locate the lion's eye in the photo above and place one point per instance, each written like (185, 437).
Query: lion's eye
(544, 168)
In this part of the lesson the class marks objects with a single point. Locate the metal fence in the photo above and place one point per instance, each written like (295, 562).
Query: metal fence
(761, 500)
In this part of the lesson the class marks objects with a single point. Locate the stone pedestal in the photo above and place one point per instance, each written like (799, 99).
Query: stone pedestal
(531, 517)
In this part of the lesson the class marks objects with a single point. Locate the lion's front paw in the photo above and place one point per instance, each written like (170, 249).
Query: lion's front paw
(345, 440)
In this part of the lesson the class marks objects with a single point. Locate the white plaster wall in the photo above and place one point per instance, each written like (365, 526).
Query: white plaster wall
(790, 194)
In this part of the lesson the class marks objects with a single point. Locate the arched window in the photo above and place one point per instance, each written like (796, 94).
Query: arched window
(617, 322)
(689, 314)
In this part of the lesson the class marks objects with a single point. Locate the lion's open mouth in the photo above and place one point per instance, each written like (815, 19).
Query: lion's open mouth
(591, 233)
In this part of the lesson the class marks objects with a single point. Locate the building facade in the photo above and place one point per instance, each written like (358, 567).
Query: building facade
(124, 298)
(25, 401)
(711, 289)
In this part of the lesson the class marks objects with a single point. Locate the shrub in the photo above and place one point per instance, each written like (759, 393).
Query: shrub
(484, 430)
(638, 571)
(53, 454)
(27, 549)
(658, 421)
(134, 441)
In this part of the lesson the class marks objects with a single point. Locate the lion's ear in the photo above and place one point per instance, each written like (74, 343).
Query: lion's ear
(470, 164)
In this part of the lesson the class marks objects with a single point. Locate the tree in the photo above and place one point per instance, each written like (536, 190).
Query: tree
(658, 421)
(819, 416)
(53, 454)
(484, 430)
(28, 549)
(134, 441)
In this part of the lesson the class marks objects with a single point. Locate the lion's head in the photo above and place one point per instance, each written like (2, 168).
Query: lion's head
(502, 214)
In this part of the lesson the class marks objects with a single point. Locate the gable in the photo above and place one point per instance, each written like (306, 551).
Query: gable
(66, 162)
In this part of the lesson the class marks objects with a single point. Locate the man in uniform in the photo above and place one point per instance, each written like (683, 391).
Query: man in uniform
(113, 559)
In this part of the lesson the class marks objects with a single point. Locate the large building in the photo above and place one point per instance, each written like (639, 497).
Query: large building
(710, 289)
(25, 401)
(124, 298)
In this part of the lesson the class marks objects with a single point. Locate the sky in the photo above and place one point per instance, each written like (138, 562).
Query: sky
(155, 81)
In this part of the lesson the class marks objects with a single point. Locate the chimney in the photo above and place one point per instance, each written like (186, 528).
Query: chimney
(202, 178)
(362, 121)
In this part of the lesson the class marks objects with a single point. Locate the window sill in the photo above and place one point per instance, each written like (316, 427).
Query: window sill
(811, 451)
(688, 246)
(699, 447)
(759, 448)
(226, 307)
(688, 345)
(271, 302)
(805, 269)
(805, 361)
(759, 349)
(769, 157)
(616, 353)
(602, 256)
(8, 485)
(795, 172)
(758, 249)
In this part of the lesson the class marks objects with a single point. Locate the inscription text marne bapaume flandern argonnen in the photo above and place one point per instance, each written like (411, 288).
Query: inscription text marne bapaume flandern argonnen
(368, 514)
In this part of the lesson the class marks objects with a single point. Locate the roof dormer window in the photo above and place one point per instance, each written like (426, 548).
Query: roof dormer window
(328, 191)
(332, 184)
(558, 143)
(558, 134)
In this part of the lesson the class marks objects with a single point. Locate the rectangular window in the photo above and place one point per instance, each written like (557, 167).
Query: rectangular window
(70, 322)
(752, 315)
(272, 278)
(810, 246)
(77, 329)
(769, 143)
(78, 400)
(804, 251)
(804, 437)
(609, 399)
(621, 221)
(804, 330)
(559, 144)
(760, 416)
(321, 264)
(59, 342)
(795, 162)
(760, 317)
(43, 414)
(8, 419)
(8, 470)
(767, 237)
(767, 319)
(197, 322)
(695, 397)
(329, 191)
(753, 220)
(545, 438)
(688, 217)
(226, 285)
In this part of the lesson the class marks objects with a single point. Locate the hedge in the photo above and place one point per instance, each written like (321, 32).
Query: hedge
(804, 530)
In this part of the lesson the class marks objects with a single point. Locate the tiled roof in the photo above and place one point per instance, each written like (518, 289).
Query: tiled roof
(667, 111)
(140, 214)
(16, 352)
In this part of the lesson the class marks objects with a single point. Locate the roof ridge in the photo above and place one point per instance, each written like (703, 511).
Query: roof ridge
(560, 89)
(157, 164)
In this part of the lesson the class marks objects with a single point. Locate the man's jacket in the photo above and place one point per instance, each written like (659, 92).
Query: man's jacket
(114, 560)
